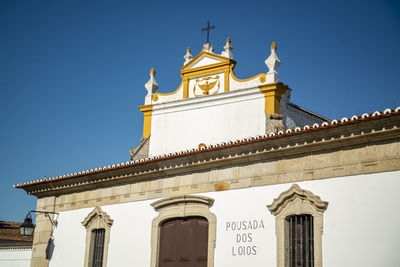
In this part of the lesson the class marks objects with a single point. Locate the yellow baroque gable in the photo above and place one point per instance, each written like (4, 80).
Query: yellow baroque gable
(208, 74)
(206, 61)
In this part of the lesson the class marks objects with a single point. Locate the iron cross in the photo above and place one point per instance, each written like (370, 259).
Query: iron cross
(208, 30)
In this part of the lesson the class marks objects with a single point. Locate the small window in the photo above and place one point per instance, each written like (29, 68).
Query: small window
(299, 226)
(300, 240)
(97, 249)
(98, 225)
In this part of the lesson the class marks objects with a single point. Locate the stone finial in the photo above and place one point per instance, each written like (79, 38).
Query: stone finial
(227, 49)
(188, 57)
(208, 48)
(151, 85)
(272, 63)
(274, 45)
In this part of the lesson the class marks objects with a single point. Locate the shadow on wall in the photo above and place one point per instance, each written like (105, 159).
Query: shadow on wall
(50, 248)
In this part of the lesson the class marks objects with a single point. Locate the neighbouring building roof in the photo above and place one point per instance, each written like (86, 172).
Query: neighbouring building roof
(10, 235)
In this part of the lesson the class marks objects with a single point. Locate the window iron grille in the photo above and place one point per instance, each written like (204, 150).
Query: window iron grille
(98, 247)
(301, 240)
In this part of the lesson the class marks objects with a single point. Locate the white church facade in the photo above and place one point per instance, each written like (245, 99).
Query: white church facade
(229, 172)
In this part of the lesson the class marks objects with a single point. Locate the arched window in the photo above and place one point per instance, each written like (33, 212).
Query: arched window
(98, 225)
(299, 226)
(183, 233)
(183, 242)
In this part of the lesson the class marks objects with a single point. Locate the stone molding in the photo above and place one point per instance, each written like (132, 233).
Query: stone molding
(294, 192)
(365, 133)
(97, 219)
(97, 216)
(162, 203)
(340, 163)
(297, 201)
(179, 207)
(363, 148)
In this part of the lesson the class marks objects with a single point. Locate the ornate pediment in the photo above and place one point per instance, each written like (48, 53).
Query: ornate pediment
(99, 217)
(206, 60)
(187, 199)
(293, 193)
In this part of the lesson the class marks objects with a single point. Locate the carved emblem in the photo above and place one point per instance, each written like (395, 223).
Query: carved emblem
(206, 85)
(263, 78)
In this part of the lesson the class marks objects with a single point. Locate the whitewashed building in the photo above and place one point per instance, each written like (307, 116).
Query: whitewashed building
(231, 173)
(15, 250)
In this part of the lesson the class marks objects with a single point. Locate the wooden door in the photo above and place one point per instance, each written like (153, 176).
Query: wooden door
(184, 242)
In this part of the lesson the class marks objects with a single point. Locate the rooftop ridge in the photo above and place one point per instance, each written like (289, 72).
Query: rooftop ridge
(334, 123)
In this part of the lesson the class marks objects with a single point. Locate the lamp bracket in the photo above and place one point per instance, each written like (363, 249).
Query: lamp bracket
(46, 214)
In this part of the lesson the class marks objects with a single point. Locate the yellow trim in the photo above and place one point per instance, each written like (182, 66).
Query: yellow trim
(263, 78)
(185, 87)
(205, 72)
(156, 96)
(207, 87)
(272, 94)
(187, 73)
(201, 145)
(147, 112)
(205, 54)
(226, 81)
(224, 65)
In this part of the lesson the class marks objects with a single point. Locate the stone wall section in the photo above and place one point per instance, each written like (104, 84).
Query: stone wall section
(43, 232)
(314, 159)
(330, 164)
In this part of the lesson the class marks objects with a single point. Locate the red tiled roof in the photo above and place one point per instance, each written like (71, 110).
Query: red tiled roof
(9, 231)
(298, 130)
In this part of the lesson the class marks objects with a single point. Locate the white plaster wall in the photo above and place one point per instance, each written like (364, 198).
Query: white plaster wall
(129, 237)
(360, 225)
(170, 97)
(205, 61)
(294, 117)
(213, 119)
(244, 84)
(15, 257)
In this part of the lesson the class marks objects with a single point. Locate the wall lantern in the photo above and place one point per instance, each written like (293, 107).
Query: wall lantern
(27, 228)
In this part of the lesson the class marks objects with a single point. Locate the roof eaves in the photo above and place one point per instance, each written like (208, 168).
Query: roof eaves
(230, 144)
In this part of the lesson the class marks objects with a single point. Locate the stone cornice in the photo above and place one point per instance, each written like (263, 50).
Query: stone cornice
(333, 136)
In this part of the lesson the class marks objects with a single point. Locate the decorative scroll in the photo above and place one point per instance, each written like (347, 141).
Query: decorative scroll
(206, 85)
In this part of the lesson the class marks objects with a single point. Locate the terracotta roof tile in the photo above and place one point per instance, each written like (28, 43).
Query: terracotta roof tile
(229, 144)
(9, 231)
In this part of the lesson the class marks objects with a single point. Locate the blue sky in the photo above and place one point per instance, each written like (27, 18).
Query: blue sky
(72, 73)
